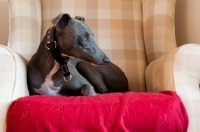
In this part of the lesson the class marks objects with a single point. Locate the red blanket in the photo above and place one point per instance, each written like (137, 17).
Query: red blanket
(116, 112)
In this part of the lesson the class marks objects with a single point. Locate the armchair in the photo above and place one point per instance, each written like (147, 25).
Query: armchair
(137, 35)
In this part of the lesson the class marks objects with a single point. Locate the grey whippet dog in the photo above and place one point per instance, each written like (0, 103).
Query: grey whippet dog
(53, 71)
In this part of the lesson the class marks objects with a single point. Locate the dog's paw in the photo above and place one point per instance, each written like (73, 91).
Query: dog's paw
(88, 90)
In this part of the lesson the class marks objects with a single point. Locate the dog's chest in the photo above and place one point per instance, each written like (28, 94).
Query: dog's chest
(48, 87)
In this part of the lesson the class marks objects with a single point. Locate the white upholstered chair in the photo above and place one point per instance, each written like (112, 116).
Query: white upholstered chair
(137, 35)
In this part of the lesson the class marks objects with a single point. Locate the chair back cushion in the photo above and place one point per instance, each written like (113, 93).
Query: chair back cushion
(117, 27)
(130, 32)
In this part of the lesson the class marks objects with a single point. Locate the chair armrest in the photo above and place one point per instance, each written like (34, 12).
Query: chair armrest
(179, 71)
(13, 80)
(159, 73)
(186, 77)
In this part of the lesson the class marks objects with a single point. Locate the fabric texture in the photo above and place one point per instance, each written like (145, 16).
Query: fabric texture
(133, 33)
(159, 73)
(117, 28)
(186, 72)
(138, 112)
(179, 71)
(158, 24)
(25, 26)
(13, 82)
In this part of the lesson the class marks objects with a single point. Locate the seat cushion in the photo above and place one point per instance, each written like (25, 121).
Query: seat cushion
(138, 112)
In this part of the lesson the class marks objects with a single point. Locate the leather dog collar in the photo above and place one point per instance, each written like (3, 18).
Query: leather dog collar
(50, 36)
(50, 44)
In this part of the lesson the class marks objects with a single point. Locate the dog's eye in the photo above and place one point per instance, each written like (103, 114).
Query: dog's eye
(85, 37)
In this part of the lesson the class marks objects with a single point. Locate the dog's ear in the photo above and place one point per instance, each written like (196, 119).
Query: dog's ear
(80, 18)
(61, 20)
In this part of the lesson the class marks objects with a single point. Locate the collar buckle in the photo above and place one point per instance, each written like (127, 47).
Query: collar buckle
(50, 46)
(67, 78)
(64, 68)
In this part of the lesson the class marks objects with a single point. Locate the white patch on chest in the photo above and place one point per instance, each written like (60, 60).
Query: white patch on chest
(48, 88)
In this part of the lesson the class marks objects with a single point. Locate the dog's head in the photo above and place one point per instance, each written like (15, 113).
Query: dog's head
(74, 38)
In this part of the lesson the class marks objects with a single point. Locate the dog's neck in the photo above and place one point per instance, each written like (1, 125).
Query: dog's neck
(45, 57)
(50, 44)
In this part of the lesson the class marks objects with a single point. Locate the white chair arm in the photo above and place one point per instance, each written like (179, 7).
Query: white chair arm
(13, 81)
(186, 72)
(179, 71)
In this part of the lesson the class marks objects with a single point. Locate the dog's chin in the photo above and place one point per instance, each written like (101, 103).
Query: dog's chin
(94, 64)
(64, 55)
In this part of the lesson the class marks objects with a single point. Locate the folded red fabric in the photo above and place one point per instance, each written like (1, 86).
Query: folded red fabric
(115, 112)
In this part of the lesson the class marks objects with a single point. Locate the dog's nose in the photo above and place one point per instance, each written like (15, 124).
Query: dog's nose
(106, 60)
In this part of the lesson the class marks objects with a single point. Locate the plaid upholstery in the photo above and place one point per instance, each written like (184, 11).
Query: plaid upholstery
(186, 78)
(179, 71)
(7, 78)
(117, 27)
(128, 31)
(25, 26)
(159, 73)
(158, 24)
(12, 81)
